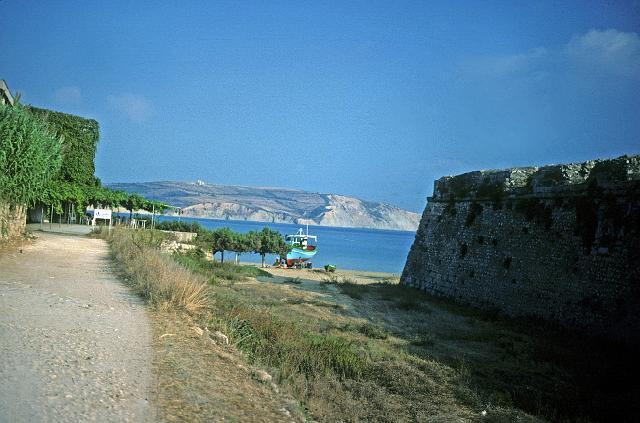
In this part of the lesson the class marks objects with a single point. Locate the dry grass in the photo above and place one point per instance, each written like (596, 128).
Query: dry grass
(154, 275)
(201, 381)
(381, 352)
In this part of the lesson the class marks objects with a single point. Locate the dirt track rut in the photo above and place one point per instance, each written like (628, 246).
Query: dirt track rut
(74, 342)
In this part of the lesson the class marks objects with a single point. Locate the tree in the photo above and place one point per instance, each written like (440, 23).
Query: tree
(29, 156)
(253, 241)
(221, 240)
(240, 244)
(269, 242)
(134, 202)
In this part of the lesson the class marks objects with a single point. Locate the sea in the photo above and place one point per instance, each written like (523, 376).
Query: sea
(374, 250)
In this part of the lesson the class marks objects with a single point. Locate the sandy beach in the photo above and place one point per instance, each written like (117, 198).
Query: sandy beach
(361, 277)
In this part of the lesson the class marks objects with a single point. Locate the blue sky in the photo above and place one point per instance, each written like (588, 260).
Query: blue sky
(371, 99)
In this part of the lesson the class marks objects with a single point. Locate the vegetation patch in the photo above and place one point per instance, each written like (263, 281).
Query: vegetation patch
(195, 261)
(313, 302)
(450, 364)
(352, 289)
(79, 141)
(153, 275)
(373, 331)
(29, 158)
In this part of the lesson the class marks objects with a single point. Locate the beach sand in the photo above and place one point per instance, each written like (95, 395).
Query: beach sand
(361, 277)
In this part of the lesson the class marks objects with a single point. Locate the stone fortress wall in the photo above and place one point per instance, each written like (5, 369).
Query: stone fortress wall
(559, 242)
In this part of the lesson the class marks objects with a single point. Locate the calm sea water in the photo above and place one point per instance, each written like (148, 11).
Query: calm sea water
(348, 248)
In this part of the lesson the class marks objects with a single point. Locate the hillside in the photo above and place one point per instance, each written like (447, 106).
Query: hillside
(279, 205)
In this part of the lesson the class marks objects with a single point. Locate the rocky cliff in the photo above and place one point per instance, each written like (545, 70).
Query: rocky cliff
(560, 243)
(279, 205)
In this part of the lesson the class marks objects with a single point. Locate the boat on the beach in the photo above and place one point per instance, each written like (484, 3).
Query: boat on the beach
(301, 248)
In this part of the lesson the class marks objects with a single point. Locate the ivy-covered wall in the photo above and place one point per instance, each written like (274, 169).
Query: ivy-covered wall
(79, 141)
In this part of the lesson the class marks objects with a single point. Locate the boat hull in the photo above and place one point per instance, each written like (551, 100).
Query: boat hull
(299, 255)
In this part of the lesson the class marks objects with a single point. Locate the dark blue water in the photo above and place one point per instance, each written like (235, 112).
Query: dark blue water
(348, 248)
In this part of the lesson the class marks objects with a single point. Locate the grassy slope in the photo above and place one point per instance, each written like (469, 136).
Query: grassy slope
(381, 352)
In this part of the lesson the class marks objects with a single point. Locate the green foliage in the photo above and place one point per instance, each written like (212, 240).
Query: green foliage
(74, 181)
(29, 156)
(268, 241)
(277, 342)
(373, 331)
(222, 239)
(180, 226)
(79, 137)
(195, 261)
(57, 193)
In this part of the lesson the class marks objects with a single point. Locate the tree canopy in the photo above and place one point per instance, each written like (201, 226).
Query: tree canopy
(267, 241)
(270, 242)
(48, 156)
(29, 156)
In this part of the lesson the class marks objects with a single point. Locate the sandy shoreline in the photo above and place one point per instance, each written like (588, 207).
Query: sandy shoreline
(362, 277)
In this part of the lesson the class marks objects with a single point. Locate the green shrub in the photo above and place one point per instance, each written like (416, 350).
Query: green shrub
(373, 331)
(29, 156)
(179, 226)
(196, 261)
(79, 138)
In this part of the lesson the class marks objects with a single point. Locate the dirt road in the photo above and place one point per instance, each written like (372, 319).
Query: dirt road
(74, 343)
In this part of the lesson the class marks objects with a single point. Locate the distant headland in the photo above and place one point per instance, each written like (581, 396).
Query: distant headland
(278, 205)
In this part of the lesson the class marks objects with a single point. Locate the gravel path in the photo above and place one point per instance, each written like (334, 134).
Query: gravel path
(74, 343)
